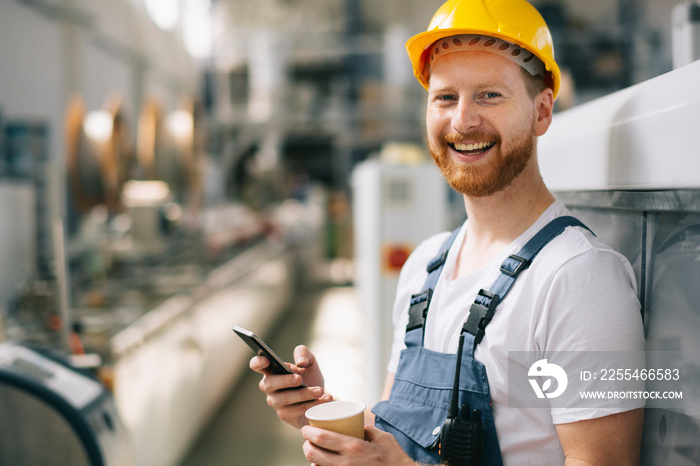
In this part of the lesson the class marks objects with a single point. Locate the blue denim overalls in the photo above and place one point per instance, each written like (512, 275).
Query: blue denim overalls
(420, 397)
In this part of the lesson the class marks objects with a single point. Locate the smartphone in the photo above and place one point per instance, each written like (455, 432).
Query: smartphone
(277, 366)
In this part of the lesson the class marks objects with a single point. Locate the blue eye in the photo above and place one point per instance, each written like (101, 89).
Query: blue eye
(492, 95)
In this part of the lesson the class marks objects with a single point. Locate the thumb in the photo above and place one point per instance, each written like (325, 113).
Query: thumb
(303, 357)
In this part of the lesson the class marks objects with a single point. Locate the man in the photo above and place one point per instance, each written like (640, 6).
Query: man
(491, 78)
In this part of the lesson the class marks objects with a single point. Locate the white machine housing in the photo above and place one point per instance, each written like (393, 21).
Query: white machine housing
(628, 166)
(396, 207)
(643, 137)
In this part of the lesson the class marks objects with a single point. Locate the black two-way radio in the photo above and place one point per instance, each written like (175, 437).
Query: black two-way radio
(462, 435)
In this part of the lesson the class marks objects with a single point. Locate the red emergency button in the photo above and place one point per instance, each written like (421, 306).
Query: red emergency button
(395, 256)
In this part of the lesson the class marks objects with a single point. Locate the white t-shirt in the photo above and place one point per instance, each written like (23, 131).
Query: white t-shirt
(578, 295)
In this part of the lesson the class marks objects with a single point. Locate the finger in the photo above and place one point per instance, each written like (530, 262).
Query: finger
(326, 439)
(316, 455)
(295, 414)
(303, 406)
(259, 364)
(276, 382)
(292, 405)
(303, 357)
(281, 398)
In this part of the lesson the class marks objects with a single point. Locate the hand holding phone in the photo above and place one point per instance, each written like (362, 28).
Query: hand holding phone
(277, 366)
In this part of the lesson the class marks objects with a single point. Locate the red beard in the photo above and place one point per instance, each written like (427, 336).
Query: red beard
(483, 179)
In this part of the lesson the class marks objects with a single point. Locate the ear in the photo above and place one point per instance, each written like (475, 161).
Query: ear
(544, 106)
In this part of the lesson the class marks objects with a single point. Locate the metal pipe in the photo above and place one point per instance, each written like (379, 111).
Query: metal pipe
(61, 273)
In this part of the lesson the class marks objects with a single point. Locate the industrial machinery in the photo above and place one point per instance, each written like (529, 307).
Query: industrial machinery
(144, 286)
(54, 414)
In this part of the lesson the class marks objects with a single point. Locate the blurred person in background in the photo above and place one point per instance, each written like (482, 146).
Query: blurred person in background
(489, 70)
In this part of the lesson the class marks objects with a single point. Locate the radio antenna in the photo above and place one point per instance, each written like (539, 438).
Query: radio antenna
(454, 402)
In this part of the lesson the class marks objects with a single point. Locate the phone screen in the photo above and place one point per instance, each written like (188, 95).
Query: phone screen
(260, 348)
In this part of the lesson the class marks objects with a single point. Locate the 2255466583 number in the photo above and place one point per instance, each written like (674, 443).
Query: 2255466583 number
(639, 374)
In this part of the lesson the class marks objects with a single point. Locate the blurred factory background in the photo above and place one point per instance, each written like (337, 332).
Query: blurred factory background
(172, 168)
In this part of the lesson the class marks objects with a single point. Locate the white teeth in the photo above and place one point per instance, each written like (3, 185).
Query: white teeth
(477, 146)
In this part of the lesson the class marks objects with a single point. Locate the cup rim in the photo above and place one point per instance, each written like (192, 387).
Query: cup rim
(312, 414)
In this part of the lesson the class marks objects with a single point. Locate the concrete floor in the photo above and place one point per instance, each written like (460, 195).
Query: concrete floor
(245, 431)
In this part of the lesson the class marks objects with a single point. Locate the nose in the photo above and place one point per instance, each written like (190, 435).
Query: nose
(466, 116)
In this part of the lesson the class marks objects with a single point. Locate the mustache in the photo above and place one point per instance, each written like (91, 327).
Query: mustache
(480, 136)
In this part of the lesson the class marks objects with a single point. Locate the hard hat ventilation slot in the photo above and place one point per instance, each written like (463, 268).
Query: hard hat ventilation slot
(506, 49)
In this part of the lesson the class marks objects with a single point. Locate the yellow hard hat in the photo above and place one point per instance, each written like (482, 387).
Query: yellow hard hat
(514, 21)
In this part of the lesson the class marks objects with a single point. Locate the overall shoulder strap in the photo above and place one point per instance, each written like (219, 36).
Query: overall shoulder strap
(418, 308)
(484, 306)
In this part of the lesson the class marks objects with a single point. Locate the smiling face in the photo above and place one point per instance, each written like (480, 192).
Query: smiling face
(481, 122)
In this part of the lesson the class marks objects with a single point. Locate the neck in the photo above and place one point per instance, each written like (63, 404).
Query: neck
(496, 220)
(507, 214)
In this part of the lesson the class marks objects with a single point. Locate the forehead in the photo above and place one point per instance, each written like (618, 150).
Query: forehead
(475, 67)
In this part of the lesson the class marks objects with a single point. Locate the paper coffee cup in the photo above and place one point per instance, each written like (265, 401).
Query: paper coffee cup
(343, 417)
